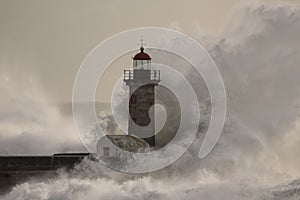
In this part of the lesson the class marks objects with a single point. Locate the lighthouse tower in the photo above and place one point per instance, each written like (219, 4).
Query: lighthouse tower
(141, 81)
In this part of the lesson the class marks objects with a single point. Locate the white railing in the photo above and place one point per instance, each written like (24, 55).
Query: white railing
(129, 75)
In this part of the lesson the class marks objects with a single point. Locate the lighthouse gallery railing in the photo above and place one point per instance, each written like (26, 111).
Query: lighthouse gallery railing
(154, 75)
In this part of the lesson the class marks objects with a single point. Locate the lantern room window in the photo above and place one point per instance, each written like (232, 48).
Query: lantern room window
(141, 64)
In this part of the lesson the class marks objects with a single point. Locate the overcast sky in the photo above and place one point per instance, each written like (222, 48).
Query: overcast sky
(48, 40)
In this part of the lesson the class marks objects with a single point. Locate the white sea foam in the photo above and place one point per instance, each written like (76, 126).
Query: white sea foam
(257, 155)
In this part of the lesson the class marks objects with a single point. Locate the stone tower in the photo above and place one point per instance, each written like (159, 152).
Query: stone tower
(141, 81)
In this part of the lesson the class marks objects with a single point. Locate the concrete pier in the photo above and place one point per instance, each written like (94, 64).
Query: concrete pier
(17, 169)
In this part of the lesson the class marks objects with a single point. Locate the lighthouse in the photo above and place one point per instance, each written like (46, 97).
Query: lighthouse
(142, 79)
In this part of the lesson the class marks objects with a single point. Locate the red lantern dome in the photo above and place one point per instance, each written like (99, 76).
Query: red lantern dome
(142, 55)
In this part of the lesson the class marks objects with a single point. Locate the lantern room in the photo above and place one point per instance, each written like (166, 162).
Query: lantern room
(142, 60)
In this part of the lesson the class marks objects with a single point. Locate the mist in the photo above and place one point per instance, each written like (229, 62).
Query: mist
(30, 124)
(256, 156)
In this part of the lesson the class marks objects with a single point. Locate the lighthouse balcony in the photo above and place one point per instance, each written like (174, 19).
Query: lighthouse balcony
(142, 75)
